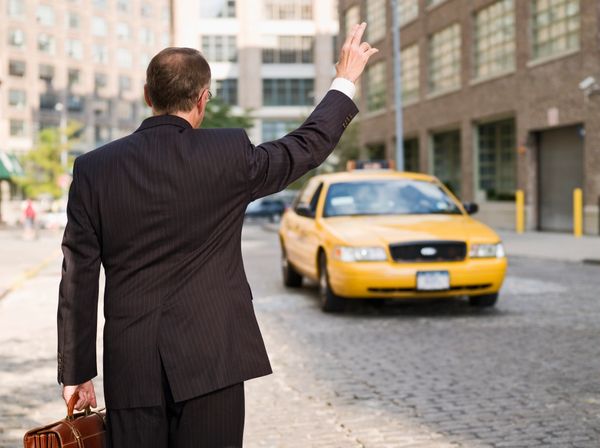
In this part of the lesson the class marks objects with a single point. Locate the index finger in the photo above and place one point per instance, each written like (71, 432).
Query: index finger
(357, 38)
(351, 35)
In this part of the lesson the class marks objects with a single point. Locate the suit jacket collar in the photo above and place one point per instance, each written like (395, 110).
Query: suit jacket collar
(161, 120)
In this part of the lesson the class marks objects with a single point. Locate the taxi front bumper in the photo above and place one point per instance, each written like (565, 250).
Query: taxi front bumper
(470, 277)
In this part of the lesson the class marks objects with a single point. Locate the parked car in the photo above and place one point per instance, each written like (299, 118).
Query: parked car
(387, 234)
(272, 209)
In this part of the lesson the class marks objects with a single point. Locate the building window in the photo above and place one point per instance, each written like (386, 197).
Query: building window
(17, 128)
(45, 15)
(556, 26)
(74, 49)
(411, 155)
(124, 58)
(125, 111)
(217, 9)
(288, 92)
(123, 31)
(288, 9)
(227, 91)
(99, 27)
(376, 86)
(16, 38)
(48, 101)
(17, 98)
(446, 159)
(101, 134)
(146, 36)
(410, 73)
(100, 82)
(497, 161)
(444, 59)
(46, 44)
(16, 68)
(46, 73)
(123, 5)
(219, 48)
(146, 10)
(16, 8)
(124, 84)
(376, 19)
(431, 3)
(495, 39)
(100, 54)
(73, 78)
(288, 50)
(75, 103)
(408, 10)
(275, 129)
(351, 18)
(74, 20)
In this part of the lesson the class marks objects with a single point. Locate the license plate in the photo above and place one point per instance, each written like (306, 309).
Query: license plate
(433, 281)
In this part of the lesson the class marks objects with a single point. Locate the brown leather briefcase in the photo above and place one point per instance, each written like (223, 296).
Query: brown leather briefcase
(82, 430)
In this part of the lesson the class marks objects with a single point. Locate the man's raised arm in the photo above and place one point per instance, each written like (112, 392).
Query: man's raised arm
(274, 165)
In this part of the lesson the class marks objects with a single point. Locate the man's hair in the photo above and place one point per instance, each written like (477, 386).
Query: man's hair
(175, 78)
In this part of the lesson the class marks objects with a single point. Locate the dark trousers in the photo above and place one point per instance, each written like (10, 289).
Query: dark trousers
(215, 420)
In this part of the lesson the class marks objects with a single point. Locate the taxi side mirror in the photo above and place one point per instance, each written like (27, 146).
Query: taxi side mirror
(304, 210)
(471, 207)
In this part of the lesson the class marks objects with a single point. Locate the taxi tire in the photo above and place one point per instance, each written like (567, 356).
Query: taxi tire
(330, 303)
(291, 277)
(487, 301)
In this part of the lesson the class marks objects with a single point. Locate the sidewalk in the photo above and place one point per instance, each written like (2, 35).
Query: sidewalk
(547, 245)
(554, 246)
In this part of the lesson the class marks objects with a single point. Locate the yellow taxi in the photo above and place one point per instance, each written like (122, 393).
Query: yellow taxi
(386, 234)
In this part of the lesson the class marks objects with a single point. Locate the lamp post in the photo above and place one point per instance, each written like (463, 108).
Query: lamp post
(398, 87)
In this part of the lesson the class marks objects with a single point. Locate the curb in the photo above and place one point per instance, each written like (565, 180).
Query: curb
(29, 274)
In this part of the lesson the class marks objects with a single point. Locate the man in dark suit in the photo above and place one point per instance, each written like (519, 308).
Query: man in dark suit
(162, 210)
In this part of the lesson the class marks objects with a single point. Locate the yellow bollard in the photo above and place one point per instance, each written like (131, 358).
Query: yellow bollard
(520, 221)
(577, 212)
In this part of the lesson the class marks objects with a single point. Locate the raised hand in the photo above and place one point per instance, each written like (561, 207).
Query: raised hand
(354, 54)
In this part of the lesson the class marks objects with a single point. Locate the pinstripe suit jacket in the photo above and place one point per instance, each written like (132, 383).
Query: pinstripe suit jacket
(162, 210)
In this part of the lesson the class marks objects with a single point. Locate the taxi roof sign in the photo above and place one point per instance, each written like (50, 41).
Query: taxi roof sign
(370, 165)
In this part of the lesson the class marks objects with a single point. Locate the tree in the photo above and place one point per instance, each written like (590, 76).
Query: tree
(43, 164)
(220, 115)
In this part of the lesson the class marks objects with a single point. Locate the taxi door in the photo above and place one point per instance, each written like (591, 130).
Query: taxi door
(308, 232)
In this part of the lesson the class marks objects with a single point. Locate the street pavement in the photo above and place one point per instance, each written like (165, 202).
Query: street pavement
(407, 374)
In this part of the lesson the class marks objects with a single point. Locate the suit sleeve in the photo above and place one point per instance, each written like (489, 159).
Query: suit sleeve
(272, 166)
(78, 292)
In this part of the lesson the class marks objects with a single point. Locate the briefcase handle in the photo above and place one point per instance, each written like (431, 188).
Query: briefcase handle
(71, 406)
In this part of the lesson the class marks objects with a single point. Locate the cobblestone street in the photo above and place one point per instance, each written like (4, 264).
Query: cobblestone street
(431, 374)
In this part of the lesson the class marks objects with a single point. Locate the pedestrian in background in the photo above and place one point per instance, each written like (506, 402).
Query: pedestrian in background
(29, 221)
(162, 210)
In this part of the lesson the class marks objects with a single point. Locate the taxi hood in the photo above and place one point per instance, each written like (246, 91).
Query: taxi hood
(384, 230)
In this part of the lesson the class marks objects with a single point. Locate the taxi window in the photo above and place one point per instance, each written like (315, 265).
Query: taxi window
(306, 194)
(389, 197)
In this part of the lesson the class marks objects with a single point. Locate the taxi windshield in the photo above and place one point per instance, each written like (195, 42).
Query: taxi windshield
(388, 197)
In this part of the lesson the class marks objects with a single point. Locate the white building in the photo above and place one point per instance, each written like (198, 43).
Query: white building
(272, 57)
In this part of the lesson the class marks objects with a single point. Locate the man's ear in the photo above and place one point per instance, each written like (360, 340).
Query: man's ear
(147, 96)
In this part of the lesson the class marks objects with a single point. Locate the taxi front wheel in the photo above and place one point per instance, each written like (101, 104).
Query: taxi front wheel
(486, 301)
(291, 277)
(329, 301)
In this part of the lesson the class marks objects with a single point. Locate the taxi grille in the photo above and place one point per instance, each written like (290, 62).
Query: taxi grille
(429, 251)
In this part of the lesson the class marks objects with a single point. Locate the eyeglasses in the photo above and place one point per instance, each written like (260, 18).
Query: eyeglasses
(210, 95)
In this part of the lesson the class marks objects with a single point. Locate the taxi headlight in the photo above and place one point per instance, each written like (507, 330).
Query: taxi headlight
(487, 251)
(350, 254)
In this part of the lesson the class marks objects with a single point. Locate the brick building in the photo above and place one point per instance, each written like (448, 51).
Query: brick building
(492, 100)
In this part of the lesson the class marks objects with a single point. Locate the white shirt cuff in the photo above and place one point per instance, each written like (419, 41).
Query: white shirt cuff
(345, 86)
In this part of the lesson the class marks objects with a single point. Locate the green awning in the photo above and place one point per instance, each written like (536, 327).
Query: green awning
(9, 166)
